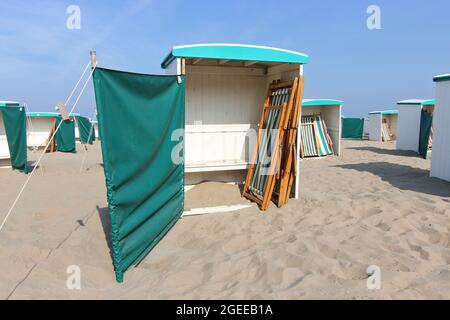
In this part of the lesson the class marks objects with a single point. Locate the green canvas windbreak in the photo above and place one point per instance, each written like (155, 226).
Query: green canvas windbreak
(426, 122)
(352, 128)
(86, 129)
(139, 117)
(14, 120)
(65, 136)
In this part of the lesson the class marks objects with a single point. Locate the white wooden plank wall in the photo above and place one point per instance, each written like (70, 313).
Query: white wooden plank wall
(221, 108)
(408, 129)
(440, 160)
(4, 149)
(375, 127)
(40, 132)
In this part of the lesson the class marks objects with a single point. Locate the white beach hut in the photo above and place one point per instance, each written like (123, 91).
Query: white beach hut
(4, 148)
(40, 124)
(409, 118)
(366, 129)
(331, 112)
(383, 125)
(226, 85)
(440, 162)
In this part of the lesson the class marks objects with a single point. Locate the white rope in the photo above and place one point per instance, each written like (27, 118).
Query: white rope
(67, 100)
(48, 144)
(79, 80)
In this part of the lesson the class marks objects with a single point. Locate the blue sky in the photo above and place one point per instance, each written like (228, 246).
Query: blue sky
(40, 59)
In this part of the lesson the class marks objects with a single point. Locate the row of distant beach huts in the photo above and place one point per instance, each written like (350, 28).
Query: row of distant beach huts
(416, 125)
(411, 121)
(402, 125)
(218, 74)
(21, 130)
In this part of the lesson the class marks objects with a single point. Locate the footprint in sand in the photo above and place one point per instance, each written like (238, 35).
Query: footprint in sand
(383, 226)
(433, 235)
(291, 238)
(423, 254)
(372, 212)
(44, 215)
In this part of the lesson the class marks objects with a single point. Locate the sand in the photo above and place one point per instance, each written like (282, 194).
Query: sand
(371, 206)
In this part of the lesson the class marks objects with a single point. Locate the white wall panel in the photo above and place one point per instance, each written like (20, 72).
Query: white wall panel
(221, 108)
(4, 149)
(375, 127)
(408, 129)
(440, 160)
(366, 127)
(39, 131)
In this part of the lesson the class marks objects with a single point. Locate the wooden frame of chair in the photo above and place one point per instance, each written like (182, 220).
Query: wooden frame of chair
(289, 160)
(277, 147)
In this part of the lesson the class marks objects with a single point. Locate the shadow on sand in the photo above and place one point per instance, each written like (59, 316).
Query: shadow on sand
(390, 152)
(103, 213)
(31, 165)
(404, 177)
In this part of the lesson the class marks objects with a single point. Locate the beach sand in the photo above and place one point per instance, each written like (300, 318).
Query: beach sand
(371, 206)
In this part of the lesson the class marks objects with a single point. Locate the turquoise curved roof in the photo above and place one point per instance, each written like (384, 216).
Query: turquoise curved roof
(9, 104)
(321, 102)
(443, 77)
(417, 102)
(42, 114)
(385, 112)
(429, 102)
(224, 51)
(49, 114)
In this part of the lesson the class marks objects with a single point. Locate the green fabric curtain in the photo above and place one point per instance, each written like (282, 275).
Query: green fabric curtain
(352, 128)
(139, 117)
(65, 136)
(426, 121)
(14, 120)
(86, 129)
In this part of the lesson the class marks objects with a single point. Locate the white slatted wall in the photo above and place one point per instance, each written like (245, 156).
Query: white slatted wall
(375, 127)
(222, 104)
(408, 129)
(39, 132)
(4, 149)
(440, 159)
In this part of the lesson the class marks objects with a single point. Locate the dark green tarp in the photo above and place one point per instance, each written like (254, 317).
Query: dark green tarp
(14, 120)
(65, 136)
(86, 130)
(426, 121)
(352, 128)
(139, 117)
